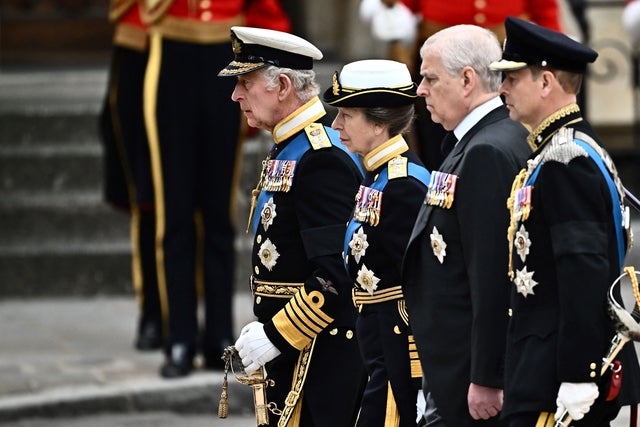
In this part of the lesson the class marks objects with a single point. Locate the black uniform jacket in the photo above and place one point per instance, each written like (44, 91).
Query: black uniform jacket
(568, 258)
(301, 238)
(374, 245)
(386, 241)
(301, 290)
(458, 305)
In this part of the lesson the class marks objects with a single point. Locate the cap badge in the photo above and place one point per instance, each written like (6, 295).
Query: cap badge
(336, 85)
(236, 45)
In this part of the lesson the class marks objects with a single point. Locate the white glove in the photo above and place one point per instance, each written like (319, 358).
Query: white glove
(394, 23)
(576, 398)
(631, 20)
(254, 347)
(368, 9)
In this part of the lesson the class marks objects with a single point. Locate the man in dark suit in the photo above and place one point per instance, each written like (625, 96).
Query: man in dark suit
(567, 237)
(454, 270)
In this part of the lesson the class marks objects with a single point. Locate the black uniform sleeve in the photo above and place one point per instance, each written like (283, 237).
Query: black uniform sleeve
(326, 184)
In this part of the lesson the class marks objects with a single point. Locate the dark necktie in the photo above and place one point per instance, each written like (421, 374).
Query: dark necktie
(448, 142)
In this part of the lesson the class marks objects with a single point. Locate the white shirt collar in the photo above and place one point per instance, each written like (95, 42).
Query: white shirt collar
(475, 116)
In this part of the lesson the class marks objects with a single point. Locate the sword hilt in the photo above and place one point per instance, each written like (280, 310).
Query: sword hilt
(622, 336)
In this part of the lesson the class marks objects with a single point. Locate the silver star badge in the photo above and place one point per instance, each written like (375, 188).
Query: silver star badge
(522, 242)
(367, 280)
(438, 245)
(268, 254)
(268, 214)
(524, 282)
(358, 244)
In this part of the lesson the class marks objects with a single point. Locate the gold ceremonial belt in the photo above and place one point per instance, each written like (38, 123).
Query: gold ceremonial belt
(130, 36)
(361, 298)
(195, 31)
(274, 289)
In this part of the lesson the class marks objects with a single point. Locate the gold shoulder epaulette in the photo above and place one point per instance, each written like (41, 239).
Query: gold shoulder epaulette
(562, 148)
(398, 167)
(318, 137)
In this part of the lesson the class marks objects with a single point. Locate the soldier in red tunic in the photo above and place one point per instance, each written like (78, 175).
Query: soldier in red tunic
(128, 184)
(193, 128)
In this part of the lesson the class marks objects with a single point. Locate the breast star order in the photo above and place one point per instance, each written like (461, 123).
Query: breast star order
(522, 242)
(358, 244)
(367, 280)
(268, 254)
(268, 214)
(524, 282)
(438, 245)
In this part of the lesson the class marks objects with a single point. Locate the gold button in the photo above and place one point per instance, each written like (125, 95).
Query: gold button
(258, 300)
(480, 4)
(205, 4)
(396, 330)
(256, 270)
(592, 374)
(206, 16)
(592, 366)
(479, 18)
(510, 313)
(349, 334)
(259, 238)
(334, 331)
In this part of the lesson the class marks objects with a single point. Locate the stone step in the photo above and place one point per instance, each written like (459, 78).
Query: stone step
(45, 128)
(65, 218)
(82, 269)
(50, 168)
(51, 269)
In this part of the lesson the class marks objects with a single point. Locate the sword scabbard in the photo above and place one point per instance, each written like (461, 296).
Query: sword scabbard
(258, 386)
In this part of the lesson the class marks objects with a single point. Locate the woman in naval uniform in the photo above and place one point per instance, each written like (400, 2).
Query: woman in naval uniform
(375, 100)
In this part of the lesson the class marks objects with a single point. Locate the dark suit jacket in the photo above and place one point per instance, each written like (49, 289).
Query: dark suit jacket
(458, 309)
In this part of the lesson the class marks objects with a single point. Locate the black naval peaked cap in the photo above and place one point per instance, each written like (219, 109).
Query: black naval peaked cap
(371, 83)
(527, 44)
(256, 48)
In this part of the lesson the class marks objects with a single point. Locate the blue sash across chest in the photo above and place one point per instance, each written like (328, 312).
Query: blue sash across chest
(613, 192)
(416, 171)
(294, 151)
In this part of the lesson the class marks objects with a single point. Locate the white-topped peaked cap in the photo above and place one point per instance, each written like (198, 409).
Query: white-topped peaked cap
(256, 48)
(372, 83)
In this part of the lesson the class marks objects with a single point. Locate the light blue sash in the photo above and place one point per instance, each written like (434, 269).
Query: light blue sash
(294, 151)
(416, 171)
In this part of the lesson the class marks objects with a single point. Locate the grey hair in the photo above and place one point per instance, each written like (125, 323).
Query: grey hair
(304, 81)
(467, 45)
